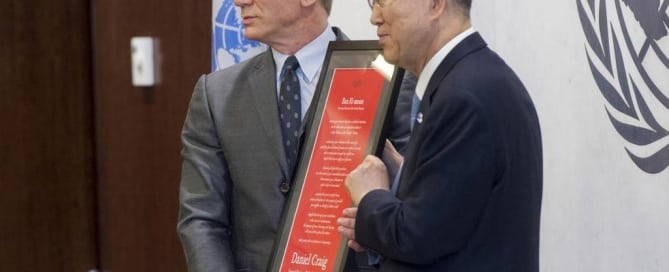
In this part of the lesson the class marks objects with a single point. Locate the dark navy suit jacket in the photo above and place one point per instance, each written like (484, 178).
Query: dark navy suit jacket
(469, 197)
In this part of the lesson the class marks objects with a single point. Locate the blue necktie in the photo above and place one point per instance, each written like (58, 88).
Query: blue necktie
(290, 110)
(374, 258)
(415, 105)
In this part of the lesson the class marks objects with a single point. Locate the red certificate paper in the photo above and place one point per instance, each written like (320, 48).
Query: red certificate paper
(341, 142)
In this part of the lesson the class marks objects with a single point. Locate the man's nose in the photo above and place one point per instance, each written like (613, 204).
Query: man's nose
(375, 18)
(241, 3)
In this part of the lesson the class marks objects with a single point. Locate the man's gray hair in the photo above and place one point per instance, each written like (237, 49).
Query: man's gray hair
(327, 4)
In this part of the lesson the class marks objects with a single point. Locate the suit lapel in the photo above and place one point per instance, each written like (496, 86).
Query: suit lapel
(263, 89)
(470, 44)
(264, 93)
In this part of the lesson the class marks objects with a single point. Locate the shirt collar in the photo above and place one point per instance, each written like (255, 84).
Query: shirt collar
(434, 62)
(310, 56)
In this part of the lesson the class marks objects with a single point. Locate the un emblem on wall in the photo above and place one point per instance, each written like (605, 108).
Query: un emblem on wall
(229, 46)
(628, 53)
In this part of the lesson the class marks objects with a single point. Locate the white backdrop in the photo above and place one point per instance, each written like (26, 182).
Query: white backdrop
(600, 211)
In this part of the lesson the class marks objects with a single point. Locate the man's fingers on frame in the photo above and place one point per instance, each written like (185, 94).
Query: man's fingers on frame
(350, 212)
(346, 232)
(346, 222)
(355, 246)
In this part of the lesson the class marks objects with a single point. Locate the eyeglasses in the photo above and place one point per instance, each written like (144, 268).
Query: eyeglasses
(381, 3)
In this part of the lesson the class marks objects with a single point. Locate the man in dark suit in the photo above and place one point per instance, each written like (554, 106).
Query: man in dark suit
(237, 168)
(468, 196)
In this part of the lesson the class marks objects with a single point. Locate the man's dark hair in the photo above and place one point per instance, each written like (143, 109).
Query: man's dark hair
(327, 4)
(465, 6)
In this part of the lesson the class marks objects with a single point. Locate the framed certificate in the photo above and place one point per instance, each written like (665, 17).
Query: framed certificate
(353, 103)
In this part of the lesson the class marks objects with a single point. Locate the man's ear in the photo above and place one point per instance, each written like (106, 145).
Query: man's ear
(308, 3)
(439, 7)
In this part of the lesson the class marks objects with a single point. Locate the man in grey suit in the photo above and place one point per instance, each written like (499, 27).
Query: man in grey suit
(236, 175)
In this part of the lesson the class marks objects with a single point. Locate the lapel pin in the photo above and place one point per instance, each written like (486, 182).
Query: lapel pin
(419, 118)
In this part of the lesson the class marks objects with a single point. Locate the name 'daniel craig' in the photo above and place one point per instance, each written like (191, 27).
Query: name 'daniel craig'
(310, 259)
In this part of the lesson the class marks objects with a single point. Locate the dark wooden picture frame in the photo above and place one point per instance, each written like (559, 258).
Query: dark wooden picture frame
(361, 61)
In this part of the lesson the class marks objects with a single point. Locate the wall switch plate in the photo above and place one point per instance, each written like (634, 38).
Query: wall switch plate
(143, 61)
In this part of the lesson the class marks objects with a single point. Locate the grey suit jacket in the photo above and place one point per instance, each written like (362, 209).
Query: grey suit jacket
(233, 167)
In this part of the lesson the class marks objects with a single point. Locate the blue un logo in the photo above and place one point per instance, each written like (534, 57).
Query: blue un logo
(229, 46)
